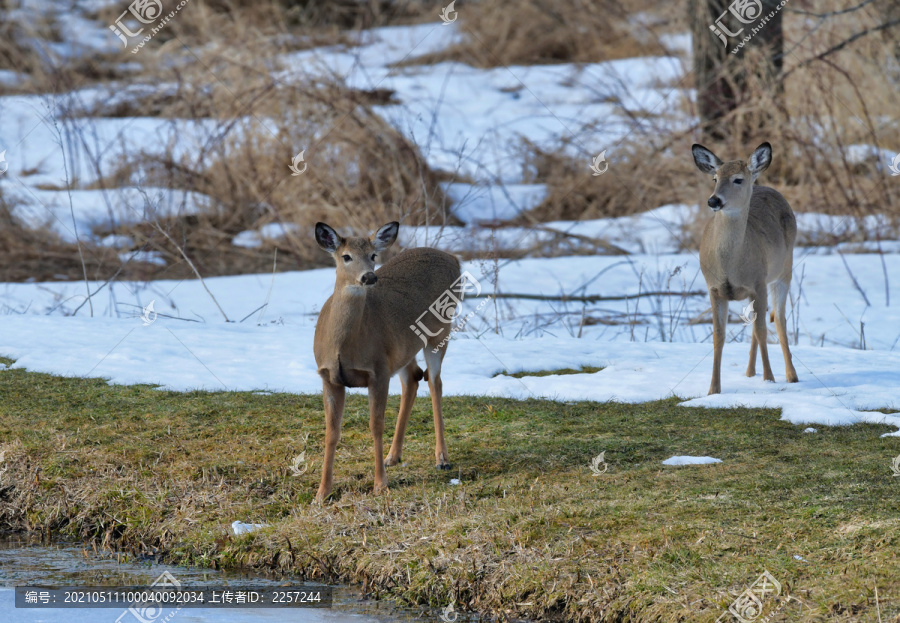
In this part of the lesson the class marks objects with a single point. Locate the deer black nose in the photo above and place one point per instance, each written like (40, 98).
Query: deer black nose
(714, 202)
(368, 279)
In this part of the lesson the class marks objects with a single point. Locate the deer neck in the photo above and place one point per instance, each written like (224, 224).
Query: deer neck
(349, 306)
(730, 231)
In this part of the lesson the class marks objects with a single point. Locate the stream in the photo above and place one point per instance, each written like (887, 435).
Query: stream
(25, 562)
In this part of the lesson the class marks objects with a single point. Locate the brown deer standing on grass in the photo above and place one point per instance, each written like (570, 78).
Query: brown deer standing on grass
(748, 245)
(366, 333)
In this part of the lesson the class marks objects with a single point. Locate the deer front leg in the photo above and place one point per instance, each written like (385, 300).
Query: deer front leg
(378, 394)
(759, 330)
(333, 397)
(720, 315)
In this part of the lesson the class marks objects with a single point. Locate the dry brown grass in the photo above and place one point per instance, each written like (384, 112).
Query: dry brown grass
(641, 176)
(39, 254)
(531, 32)
(216, 67)
(239, 26)
(26, 47)
(828, 106)
(812, 128)
(360, 173)
(306, 16)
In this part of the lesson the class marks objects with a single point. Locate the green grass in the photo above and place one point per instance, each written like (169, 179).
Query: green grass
(530, 533)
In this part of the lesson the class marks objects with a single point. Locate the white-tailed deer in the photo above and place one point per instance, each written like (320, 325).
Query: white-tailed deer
(365, 334)
(747, 246)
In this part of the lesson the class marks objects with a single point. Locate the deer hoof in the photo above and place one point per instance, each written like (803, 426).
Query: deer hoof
(381, 489)
(443, 466)
(390, 461)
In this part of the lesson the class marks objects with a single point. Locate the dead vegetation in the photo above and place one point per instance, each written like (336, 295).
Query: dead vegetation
(532, 32)
(30, 253)
(357, 172)
(832, 126)
(220, 70)
(640, 177)
(833, 129)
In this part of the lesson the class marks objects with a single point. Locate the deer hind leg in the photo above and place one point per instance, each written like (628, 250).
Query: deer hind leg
(751, 365)
(378, 395)
(720, 315)
(409, 378)
(779, 294)
(433, 361)
(760, 307)
(333, 397)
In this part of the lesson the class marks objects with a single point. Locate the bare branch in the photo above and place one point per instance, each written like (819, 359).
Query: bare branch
(842, 45)
(831, 13)
(586, 299)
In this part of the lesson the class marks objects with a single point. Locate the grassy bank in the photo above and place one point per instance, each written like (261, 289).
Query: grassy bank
(530, 532)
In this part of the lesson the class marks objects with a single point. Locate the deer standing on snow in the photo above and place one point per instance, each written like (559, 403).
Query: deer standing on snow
(372, 328)
(747, 246)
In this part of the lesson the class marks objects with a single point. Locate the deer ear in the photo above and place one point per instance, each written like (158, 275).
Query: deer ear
(327, 238)
(705, 160)
(760, 160)
(386, 236)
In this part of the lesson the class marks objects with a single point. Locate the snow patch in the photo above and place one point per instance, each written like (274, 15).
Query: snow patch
(691, 460)
(240, 527)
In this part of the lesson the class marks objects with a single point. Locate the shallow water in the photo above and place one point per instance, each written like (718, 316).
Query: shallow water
(27, 562)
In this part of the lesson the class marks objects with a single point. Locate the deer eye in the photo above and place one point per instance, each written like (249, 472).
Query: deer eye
(347, 258)
(373, 257)
(739, 181)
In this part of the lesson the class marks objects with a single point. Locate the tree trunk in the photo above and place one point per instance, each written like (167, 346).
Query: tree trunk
(890, 11)
(738, 49)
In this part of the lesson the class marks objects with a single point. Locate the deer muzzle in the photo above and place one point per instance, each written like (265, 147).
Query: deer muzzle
(368, 279)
